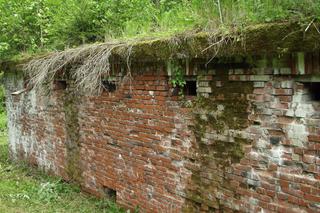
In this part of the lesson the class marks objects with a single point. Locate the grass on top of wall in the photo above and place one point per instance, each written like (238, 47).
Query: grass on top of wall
(24, 189)
(37, 26)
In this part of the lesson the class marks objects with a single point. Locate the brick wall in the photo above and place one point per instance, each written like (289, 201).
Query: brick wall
(249, 142)
(134, 143)
(36, 126)
(263, 158)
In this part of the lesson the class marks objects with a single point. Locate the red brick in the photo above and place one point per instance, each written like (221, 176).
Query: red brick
(259, 91)
(306, 189)
(312, 198)
(314, 138)
(284, 184)
(308, 158)
(282, 92)
(285, 120)
(143, 146)
(285, 98)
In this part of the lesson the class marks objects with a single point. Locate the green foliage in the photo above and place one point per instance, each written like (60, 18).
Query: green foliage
(49, 191)
(3, 114)
(77, 22)
(3, 123)
(23, 26)
(177, 78)
(44, 25)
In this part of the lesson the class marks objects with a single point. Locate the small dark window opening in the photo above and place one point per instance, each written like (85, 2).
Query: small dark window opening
(314, 90)
(110, 194)
(60, 85)
(109, 86)
(190, 88)
(256, 123)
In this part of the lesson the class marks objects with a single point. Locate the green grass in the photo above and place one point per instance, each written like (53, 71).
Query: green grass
(25, 189)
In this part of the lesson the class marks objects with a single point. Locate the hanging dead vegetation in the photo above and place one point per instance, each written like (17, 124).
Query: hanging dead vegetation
(86, 65)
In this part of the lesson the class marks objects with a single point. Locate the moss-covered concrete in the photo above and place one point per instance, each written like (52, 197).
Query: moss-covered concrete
(260, 39)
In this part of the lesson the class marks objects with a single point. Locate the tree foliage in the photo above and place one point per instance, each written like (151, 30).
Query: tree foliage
(43, 25)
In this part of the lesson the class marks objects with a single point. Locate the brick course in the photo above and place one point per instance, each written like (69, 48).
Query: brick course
(249, 142)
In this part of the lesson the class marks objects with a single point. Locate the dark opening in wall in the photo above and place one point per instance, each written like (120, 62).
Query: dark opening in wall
(60, 85)
(109, 86)
(256, 123)
(110, 194)
(314, 90)
(190, 89)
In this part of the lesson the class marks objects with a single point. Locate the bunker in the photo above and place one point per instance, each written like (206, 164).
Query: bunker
(199, 123)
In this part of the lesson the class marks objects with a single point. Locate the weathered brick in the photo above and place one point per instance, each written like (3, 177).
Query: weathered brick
(314, 138)
(286, 84)
(282, 92)
(249, 78)
(308, 158)
(254, 143)
(285, 98)
(312, 198)
(204, 89)
(203, 83)
(258, 84)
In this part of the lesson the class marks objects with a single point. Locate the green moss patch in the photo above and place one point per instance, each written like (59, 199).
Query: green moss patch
(227, 108)
(71, 102)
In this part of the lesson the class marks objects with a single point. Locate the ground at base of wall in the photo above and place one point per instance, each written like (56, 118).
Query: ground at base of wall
(25, 190)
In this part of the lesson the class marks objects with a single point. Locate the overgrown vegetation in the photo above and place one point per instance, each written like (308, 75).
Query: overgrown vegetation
(25, 189)
(177, 78)
(3, 113)
(30, 26)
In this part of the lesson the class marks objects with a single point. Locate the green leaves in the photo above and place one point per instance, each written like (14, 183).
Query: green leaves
(177, 78)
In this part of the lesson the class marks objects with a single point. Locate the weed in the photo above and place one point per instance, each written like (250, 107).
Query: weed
(25, 189)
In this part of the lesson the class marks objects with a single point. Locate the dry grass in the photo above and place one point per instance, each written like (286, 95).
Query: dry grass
(88, 65)
(85, 65)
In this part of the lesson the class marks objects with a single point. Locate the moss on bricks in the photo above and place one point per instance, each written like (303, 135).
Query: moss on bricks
(226, 109)
(73, 137)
